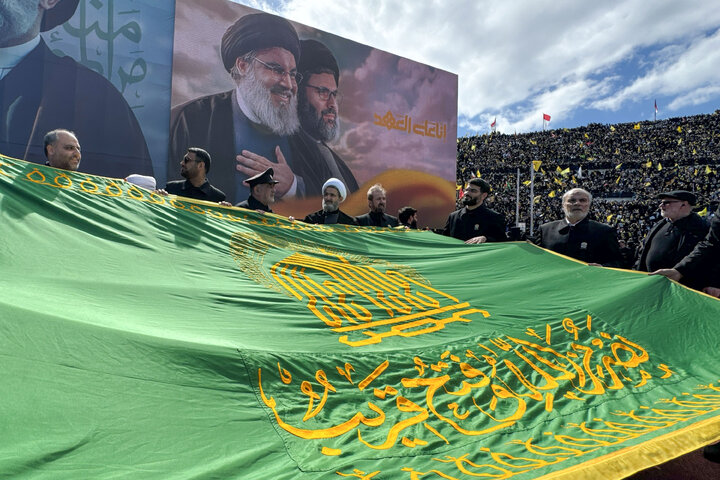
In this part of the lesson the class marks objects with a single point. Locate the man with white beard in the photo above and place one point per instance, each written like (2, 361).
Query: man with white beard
(41, 91)
(334, 193)
(246, 129)
(579, 237)
(318, 107)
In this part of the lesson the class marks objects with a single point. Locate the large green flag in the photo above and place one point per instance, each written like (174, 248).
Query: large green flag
(155, 337)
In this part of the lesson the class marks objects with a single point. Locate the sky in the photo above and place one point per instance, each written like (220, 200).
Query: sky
(579, 62)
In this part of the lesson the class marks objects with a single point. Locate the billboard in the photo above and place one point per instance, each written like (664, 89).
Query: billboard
(132, 79)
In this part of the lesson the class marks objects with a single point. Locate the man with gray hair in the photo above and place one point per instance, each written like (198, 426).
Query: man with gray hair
(62, 150)
(579, 237)
(377, 217)
(334, 193)
(247, 128)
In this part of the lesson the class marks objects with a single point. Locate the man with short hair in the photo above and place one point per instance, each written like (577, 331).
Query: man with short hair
(475, 222)
(262, 192)
(376, 217)
(334, 193)
(579, 237)
(247, 128)
(407, 216)
(673, 237)
(318, 109)
(40, 90)
(62, 150)
(194, 167)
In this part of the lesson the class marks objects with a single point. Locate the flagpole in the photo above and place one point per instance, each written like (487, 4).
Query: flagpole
(517, 197)
(532, 199)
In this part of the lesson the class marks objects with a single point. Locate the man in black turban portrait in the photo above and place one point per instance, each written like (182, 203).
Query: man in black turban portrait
(41, 91)
(318, 105)
(247, 129)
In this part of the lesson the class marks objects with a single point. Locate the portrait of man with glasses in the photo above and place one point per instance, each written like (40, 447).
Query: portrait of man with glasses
(319, 100)
(247, 129)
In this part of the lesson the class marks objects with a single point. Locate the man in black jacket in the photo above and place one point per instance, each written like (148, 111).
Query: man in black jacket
(262, 192)
(195, 166)
(579, 237)
(673, 237)
(376, 217)
(475, 223)
(334, 192)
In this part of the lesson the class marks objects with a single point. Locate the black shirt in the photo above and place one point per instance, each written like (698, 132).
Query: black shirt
(205, 191)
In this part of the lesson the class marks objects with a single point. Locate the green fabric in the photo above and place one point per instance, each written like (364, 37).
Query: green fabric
(152, 337)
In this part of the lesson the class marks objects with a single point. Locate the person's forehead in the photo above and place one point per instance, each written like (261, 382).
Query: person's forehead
(578, 196)
(378, 195)
(66, 137)
(190, 155)
(277, 55)
(332, 190)
(326, 80)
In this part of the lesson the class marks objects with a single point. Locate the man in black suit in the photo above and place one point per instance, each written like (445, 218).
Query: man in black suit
(195, 166)
(476, 223)
(673, 237)
(334, 193)
(579, 237)
(376, 217)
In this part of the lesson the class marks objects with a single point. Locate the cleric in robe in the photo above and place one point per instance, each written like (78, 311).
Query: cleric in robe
(247, 129)
(40, 92)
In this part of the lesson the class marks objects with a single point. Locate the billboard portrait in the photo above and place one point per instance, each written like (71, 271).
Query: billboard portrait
(100, 69)
(256, 90)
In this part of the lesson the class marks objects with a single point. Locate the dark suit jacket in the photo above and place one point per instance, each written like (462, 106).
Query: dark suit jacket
(681, 235)
(319, 218)
(382, 220)
(253, 204)
(44, 92)
(704, 259)
(465, 224)
(588, 241)
(205, 191)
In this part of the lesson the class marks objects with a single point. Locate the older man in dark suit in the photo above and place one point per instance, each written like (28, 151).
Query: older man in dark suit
(579, 237)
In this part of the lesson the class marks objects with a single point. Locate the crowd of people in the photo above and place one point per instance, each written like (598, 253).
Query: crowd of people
(625, 166)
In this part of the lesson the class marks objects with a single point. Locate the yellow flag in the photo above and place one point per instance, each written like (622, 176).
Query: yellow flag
(647, 184)
(587, 136)
(659, 167)
(679, 129)
(533, 142)
(473, 147)
(542, 171)
(637, 126)
(708, 170)
(679, 141)
(558, 169)
(609, 217)
(695, 173)
(477, 174)
(648, 164)
(536, 164)
(574, 180)
(536, 199)
(617, 167)
(557, 180)
(565, 172)
(612, 129)
(458, 187)
(694, 151)
(703, 212)
(617, 180)
(617, 151)
(551, 194)
(526, 182)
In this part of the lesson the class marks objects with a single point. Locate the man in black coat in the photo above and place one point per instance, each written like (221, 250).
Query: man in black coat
(579, 237)
(262, 192)
(334, 193)
(195, 166)
(41, 92)
(475, 223)
(673, 237)
(376, 217)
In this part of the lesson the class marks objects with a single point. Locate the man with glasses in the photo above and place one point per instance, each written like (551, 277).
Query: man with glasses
(194, 167)
(246, 129)
(318, 108)
(673, 237)
(579, 237)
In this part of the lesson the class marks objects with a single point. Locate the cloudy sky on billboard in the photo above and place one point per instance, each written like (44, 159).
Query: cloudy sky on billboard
(580, 62)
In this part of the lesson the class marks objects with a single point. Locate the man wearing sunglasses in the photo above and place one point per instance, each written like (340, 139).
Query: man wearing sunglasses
(673, 237)
(318, 108)
(246, 129)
